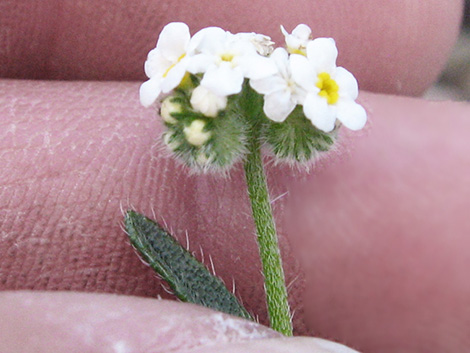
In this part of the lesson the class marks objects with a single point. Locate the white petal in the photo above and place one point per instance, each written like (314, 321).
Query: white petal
(347, 83)
(208, 40)
(317, 110)
(156, 64)
(277, 81)
(174, 77)
(269, 84)
(302, 31)
(257, 67)
(240, 46)
(278, 105)
(351, 114)
(322, 53)
(284, 31)
(281, 57)
(299, 95)
(200, 63)
(303, 73)
(223, 80)
(149, 91)
(173, 40)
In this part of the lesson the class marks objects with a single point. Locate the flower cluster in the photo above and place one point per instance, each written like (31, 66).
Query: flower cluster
(217, 87)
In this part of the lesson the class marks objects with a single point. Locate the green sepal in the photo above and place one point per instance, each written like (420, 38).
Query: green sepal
(296, 139)
(189, 279)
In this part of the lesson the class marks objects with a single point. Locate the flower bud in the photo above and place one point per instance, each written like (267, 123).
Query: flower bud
(168, 108)
(195, 133)
(206, 102)
(297, 41)
(170, 140)
(203, 160)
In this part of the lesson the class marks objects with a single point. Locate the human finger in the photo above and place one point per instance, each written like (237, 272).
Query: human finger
(391, 46)
(379, 224)
(79, 322)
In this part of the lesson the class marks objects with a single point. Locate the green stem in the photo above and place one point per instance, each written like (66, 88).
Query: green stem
(276, 291)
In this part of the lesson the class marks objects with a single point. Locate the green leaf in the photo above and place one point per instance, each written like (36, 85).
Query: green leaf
(190, 280)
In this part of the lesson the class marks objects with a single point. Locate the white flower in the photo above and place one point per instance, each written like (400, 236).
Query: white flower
(206, 102)
(282, 93)
(226, 60)
(166, 64)
(332, 90)
(297, 41)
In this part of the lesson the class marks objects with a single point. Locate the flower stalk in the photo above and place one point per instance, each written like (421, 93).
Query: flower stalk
(276, 291)
(224, 96)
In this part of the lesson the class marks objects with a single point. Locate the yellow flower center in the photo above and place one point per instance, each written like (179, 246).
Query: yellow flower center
(165, 74)
(328, 88)
(227, 57)
(300, 51)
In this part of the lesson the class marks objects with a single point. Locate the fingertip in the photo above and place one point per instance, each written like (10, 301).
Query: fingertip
(277, 345)
(390, 46)
(80, 322)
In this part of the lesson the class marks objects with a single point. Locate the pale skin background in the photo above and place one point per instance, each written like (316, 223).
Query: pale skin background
(375, 239)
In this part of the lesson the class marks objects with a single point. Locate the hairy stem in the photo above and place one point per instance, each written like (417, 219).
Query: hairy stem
(276, 291)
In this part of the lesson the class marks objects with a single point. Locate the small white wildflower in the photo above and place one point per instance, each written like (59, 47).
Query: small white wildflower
(297, 41)
(332, 90)
(282, 93)
(206, 102)
(226, 60)
(195, 133)
(166, 64)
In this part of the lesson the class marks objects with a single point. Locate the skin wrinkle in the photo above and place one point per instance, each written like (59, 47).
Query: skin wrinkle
(66, 46)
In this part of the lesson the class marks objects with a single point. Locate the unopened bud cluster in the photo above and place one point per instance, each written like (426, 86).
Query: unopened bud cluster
(203, 141)
(217, 90)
